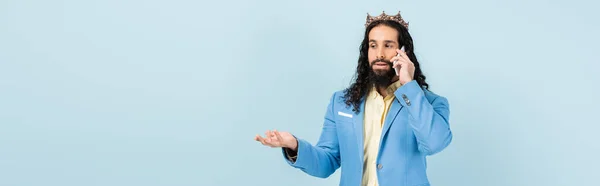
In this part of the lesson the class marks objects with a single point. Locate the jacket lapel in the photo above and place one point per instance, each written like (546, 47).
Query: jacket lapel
(358, 129)
(391, 116)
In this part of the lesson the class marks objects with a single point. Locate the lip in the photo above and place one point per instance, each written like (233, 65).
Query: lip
(380, 64)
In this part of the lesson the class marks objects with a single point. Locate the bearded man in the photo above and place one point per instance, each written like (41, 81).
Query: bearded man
(380, 129)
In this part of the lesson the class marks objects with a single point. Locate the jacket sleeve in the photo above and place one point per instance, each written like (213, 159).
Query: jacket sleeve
(429, 119)
(323, 159)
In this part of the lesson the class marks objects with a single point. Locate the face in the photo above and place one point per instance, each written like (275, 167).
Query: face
(383, 42)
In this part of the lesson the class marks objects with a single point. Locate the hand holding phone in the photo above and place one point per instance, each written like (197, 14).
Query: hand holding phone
(405, 68)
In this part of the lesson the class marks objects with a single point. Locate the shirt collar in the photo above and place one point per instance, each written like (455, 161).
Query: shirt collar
(393, 87)
(389, 90)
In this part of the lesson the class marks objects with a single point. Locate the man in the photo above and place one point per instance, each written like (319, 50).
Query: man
(381, 128)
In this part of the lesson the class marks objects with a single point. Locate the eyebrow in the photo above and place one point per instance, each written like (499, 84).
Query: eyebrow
(385, 41)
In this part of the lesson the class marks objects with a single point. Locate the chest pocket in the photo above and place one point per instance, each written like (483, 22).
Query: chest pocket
(344, 124)
(344, 116)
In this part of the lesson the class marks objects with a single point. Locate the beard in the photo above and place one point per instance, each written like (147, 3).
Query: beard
(379, 77)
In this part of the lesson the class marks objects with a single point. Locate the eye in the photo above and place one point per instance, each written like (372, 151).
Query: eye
(372, 46)
(389, 46)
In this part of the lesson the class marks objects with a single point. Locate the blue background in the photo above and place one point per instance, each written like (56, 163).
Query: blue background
(133, 92)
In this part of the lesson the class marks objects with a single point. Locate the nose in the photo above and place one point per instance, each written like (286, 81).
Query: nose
(380, 54)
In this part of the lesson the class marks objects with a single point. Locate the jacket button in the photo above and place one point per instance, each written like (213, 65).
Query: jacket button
(406, 99)
(379, 166)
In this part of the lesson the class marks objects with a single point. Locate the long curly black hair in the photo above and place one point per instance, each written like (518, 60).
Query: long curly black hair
(353, 95)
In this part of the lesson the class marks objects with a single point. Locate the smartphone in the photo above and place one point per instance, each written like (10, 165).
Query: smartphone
(398, 70)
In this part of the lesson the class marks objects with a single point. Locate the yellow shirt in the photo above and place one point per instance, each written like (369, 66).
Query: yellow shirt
(376, 108)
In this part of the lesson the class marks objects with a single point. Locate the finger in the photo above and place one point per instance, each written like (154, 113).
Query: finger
(262, 140)
(403, 64)
(407, 64)
(256, 137)
(267, 138)
(397, 69)
(395, 58)
(272, 133)
(270, 144)
(272, 138)
(398, 64)
(265, 142)
(276, 137)
(403, 54)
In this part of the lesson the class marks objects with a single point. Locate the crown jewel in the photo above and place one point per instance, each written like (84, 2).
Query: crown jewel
(383, 16)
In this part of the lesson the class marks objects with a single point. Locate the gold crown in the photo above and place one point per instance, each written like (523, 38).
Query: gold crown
(383, 16)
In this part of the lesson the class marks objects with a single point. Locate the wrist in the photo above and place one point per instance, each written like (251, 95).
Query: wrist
(294, 145)
(406, 81)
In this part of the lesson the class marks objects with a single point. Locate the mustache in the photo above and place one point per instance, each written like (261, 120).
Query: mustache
(382, 60)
